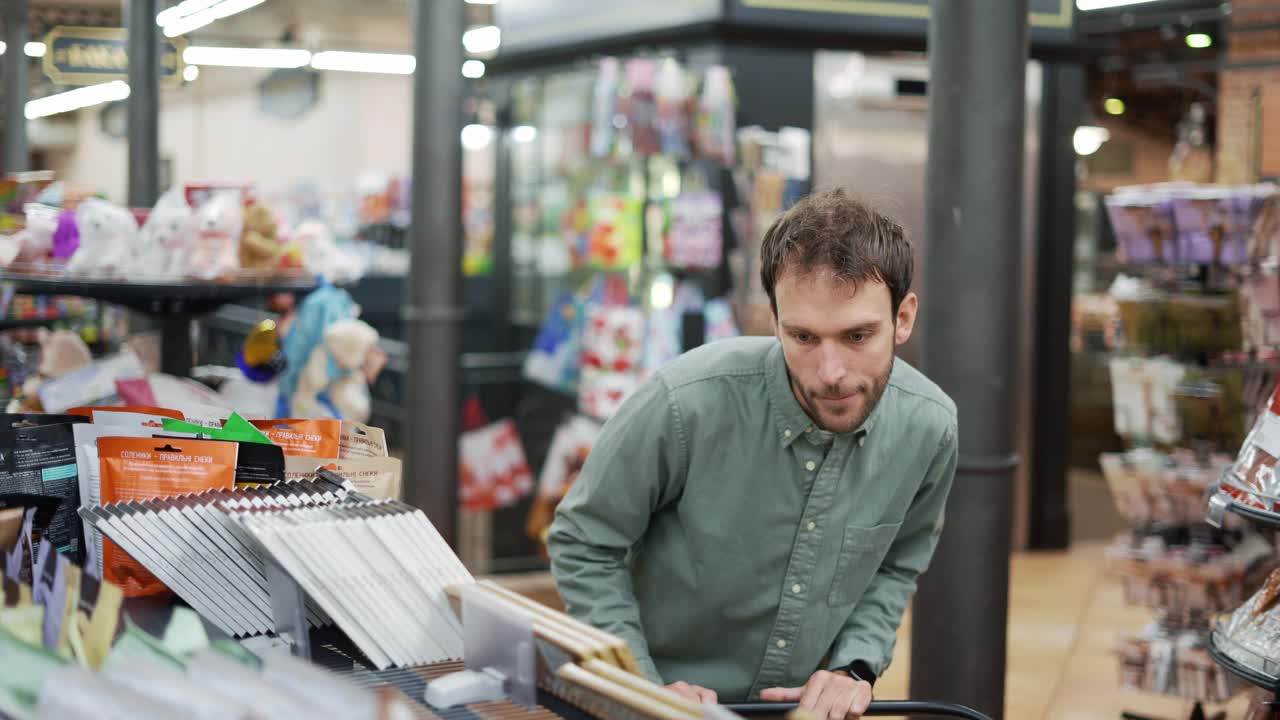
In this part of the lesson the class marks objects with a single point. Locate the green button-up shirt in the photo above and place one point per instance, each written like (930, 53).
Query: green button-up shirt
(737, 547)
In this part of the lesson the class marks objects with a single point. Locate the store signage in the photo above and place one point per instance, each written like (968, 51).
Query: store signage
(92, 55)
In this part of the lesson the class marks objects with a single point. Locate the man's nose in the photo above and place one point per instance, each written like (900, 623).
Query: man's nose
(831, 366)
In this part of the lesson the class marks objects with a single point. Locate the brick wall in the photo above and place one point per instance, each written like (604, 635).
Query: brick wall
(1248, 128)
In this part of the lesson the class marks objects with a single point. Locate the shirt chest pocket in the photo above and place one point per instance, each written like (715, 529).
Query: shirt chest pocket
(861, 553)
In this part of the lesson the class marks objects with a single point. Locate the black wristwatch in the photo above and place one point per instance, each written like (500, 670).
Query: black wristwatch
(860, 670)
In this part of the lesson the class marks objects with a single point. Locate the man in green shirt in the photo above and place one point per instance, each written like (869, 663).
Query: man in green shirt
(753, 519)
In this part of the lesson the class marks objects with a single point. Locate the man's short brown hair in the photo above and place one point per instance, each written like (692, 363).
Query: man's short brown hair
(830, 230)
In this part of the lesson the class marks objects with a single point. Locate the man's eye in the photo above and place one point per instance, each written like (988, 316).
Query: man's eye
(803, 338)
(857, 337)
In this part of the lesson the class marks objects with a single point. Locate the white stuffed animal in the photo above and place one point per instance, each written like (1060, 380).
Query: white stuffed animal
(166, 237)
(215, 250)
(322, 256)
(108, 235)
(338, 365)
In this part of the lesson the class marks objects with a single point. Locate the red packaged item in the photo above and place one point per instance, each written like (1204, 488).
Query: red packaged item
(1252, 480)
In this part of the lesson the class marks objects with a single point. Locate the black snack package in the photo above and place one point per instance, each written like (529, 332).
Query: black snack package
(15, 421)
(257, 464)
(42, 461)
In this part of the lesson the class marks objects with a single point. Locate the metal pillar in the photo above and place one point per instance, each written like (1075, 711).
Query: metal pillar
(17, 155)
(977, 105)
(432, 313)
(144, 102)
(1061, 111)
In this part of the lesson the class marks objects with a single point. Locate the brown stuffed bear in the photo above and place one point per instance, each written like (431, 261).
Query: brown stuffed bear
(259, 247)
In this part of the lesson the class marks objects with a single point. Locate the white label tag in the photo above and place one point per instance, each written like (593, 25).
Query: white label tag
(1268, 435)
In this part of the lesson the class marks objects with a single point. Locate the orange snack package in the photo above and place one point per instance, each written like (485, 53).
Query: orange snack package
(89, 410)
(148, 468)
(318, 438)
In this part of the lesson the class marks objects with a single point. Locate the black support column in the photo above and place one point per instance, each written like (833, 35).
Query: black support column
(973, 226)
(1061, 111)
(143, 103)
(17, 154)
(432, 312)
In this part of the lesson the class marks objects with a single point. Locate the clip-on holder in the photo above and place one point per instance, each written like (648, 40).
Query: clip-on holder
(499, 653)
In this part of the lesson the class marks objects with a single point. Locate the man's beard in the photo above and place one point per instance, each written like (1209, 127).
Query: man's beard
(810, 400)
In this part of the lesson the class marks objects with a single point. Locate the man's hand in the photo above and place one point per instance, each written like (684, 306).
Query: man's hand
(833, 696)
(693, 692)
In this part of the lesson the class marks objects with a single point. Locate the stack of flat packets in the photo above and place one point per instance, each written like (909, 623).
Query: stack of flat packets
(189, 543)
(379, 568)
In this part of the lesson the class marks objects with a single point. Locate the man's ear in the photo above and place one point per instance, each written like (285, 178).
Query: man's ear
(906, 318)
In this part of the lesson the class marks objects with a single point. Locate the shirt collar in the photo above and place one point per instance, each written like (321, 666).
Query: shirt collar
(790, 418)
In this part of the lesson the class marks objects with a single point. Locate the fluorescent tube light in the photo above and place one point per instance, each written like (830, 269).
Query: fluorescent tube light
(75, 99)
(387, 63)
(246, 57)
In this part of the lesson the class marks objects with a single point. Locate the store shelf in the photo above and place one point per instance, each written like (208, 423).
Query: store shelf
(1237, 668)
(175, 305)
(193, 297)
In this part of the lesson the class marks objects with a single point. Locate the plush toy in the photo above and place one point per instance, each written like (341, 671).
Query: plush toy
(259, 246)
(322, 256)
(36, 240)
(332, 357)
(166, 237)
(61, 352)
(215, 251)
(337, 367)
(108, 235)
(66, 238)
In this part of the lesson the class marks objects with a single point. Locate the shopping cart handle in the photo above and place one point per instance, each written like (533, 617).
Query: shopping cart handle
(877, 708)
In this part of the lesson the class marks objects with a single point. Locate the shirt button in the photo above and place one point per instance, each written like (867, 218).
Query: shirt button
(782, 644)
(861, 440)
(786, 433)
(812, 525)
(796, 588)
(810, 466)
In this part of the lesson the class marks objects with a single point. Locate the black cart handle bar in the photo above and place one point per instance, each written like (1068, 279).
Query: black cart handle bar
(877, 708)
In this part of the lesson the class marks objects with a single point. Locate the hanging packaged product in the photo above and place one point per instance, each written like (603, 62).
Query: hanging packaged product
(494, 472)
(1143, 395)
(1144, 227)
(1209, 227)
(145, 468)
(553, 359)
(94, 384)
(257, 464)
(89, 474)
(639, 105)
(604, 108)
(613, 338)
(601, 394)
(13, 421)
(92, 412)
(716, 124)
(1252, 480)
(236, 428)
(319, 438)
(615, 239)
(673, 109)
(381, 478)
(362, 441)
(24, 522)
(570, 446)
(1252, 633)
(42, 461)
(695, 239)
